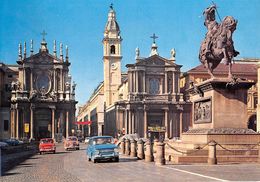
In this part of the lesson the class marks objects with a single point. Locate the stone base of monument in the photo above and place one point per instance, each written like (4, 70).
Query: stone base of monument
(219, 114)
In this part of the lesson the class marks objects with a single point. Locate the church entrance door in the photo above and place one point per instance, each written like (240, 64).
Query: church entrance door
(43, 123)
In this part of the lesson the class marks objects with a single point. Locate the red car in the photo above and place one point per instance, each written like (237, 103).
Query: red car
(47, 145)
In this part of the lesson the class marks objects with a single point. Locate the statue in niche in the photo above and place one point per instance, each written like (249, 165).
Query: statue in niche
(67, 86)
(33, 94)
(218, 45)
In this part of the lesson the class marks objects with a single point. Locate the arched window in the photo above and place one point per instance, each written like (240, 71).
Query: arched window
(112, 49)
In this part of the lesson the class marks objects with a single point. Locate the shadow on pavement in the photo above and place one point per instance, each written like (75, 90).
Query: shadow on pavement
(57, 153)
(128, 160)
(9, 174)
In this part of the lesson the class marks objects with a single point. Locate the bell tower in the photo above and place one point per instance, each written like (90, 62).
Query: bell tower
(112, 58)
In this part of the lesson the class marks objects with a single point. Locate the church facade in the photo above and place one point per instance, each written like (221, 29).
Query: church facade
(146, 100)
(43, 98)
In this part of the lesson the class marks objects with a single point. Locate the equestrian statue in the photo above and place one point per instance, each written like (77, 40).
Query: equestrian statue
(218, 45)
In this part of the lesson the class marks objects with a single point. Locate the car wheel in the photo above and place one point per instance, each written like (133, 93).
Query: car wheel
(95, 160)
(54, 152)
(89, 159)
(40, 153)
(116, 159)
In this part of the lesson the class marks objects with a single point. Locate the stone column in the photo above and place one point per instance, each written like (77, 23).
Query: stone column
(166, 123)
(166, 83)
(82, 130)
(144, 86)
(54, 80)
(145, 123)
(136, 81)
(173, 83)
(24, 78)
(67, 124)
(130, 121)
(53, 123)
(133, 121)
(130, 81)
(31, 123)
(181, 123)
(126, 123)
(12, 123)
(31, 80)
(17, 123)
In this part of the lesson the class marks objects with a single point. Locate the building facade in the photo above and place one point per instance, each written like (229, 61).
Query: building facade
(8, 74)
(43, 97)
(92, 113)
(146, 100)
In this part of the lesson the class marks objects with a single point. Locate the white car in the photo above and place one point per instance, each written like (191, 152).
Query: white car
(86, 140)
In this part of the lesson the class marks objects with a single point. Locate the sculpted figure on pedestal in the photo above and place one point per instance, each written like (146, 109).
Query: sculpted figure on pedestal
(218, 44)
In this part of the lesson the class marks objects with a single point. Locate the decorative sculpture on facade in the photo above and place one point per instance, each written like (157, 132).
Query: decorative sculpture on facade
(15, 85)
(218, 44)
(33, 94)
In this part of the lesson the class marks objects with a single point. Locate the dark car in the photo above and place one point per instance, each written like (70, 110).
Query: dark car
(12, 142)
(102, 148)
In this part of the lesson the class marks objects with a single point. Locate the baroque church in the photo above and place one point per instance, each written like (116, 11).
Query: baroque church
(146, 100)
(43, 97)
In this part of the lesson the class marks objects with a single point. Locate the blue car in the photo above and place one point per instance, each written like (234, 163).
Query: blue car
(102, 148)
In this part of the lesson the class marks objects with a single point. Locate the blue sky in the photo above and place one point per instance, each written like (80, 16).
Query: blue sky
(80, 25)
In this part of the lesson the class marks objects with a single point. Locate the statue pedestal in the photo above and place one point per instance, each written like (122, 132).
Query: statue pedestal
(219, 113)
(219, 108)
(219, 103)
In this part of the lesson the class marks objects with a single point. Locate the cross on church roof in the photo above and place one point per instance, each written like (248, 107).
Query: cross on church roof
(111, 6)
(154, 37)
(43, 35)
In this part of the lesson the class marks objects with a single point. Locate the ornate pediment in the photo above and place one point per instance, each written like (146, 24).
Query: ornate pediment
(42, 58)
(155, 60)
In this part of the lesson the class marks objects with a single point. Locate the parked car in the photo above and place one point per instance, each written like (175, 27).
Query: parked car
(102, 148)
(47, 145)
(80, 139)
(12, 141)
(3, 145)
(71, 143)
(86, 140)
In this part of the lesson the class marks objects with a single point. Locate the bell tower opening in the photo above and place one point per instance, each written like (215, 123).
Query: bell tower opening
(112, 49)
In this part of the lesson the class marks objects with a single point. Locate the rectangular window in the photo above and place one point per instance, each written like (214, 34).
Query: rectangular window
(10, 76)
(6, 123)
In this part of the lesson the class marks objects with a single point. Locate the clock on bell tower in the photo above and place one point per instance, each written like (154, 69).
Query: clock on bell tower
(112, 58)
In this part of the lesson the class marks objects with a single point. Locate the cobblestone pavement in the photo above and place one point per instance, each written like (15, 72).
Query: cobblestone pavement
(74, 166)
(41, 168)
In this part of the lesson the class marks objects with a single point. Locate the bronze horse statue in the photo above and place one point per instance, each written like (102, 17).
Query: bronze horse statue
(218, 45)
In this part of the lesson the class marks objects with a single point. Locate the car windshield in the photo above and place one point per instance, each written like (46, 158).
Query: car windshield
(46, 141)
(99, 141)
